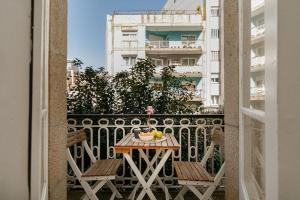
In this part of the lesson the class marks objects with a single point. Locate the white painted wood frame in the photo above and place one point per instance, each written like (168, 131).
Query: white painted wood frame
(211, 186)
(91, 190)
(39, 140)
(269, 116)
(154, 176)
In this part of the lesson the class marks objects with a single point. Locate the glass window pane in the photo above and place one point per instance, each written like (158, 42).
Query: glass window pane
(257, 56)
(254, 155)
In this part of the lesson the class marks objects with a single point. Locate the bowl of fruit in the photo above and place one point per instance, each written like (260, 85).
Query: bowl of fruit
(146, 136)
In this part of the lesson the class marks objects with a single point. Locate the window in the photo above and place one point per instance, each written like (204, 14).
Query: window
(129, 35)
(188, 62)
(215, 78)
(215, 11)
(215, 33)
(259, 83)
(129, 60)
(188, 39)
(215, 55)
(214, 99)
(175, 62)
(158, 62)
(260, 51)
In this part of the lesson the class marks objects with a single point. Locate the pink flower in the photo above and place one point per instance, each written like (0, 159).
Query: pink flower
(150, 110)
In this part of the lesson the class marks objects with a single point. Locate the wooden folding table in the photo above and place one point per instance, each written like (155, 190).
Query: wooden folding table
(165, 147)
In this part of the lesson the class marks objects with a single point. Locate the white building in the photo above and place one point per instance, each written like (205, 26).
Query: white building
(33, 106)
(257, 82)
(72, 72)
(181, 35)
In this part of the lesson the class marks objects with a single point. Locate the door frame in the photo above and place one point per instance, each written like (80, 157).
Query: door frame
(269, 116)
(39, 120)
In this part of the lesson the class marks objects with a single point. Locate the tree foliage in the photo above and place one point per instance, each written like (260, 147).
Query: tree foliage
(128, 92)
(171, 97)
(92, 93)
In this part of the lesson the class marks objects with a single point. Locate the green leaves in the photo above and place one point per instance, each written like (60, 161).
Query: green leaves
(92, 93)
(128, 92)
(171, 98)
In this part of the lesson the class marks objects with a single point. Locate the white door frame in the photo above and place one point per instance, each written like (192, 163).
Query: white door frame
(269, 116)
(39, 135)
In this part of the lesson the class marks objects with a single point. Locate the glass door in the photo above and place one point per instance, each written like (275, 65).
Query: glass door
(252, 100)
(39, 139)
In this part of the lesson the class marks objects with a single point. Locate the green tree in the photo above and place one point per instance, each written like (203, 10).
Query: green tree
(77, 62)
(133, 89)
(128, 92)
(171, 97)
(92, 93)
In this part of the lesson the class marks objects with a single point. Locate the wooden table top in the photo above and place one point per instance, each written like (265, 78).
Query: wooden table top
(126, 144)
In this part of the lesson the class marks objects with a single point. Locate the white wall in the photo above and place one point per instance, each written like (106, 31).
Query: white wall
(288, 99)
(212, 44)
(15, 19)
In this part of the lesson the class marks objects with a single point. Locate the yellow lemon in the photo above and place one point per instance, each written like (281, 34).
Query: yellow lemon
(158, 134)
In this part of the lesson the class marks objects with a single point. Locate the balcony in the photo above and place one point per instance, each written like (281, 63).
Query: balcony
(173, 47)
(257, 34)
(257, 64)
(188, 71)
(257, 94)
(185, 18)
(191, 131)
(257, 7)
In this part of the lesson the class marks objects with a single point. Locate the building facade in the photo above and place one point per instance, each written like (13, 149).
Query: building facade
(257, 82)
(72, 73)
(177, 35)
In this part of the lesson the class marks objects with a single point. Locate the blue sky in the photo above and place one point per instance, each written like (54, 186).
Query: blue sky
(87, 24)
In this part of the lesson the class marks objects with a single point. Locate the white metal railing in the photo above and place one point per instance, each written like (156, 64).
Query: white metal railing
(168, 17)
(162, 44)
(191, 131)
(256, 61)
(157, 12)
(257, 91)
(258, 31)
(184, 68)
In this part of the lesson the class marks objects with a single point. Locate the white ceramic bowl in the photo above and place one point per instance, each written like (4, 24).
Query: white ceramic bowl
(146, 138)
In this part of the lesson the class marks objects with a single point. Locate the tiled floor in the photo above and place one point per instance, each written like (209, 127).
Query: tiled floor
(76, 194)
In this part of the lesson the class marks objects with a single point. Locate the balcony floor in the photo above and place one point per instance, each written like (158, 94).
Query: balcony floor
(105, 195)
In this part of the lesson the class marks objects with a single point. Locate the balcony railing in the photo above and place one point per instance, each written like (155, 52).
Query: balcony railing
(188, 18)
(191, 131)
(257, 93)
(157, 12)
(258, 31)
(182, 69)
(164, 44)
(256, 61)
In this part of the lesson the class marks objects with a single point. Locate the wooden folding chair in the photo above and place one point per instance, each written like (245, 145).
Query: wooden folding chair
(193, 174)
(101, 171)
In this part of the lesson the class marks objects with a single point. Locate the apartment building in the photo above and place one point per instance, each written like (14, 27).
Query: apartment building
(257, 81)
(72, 72)
(186, 36)
(212, 80)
